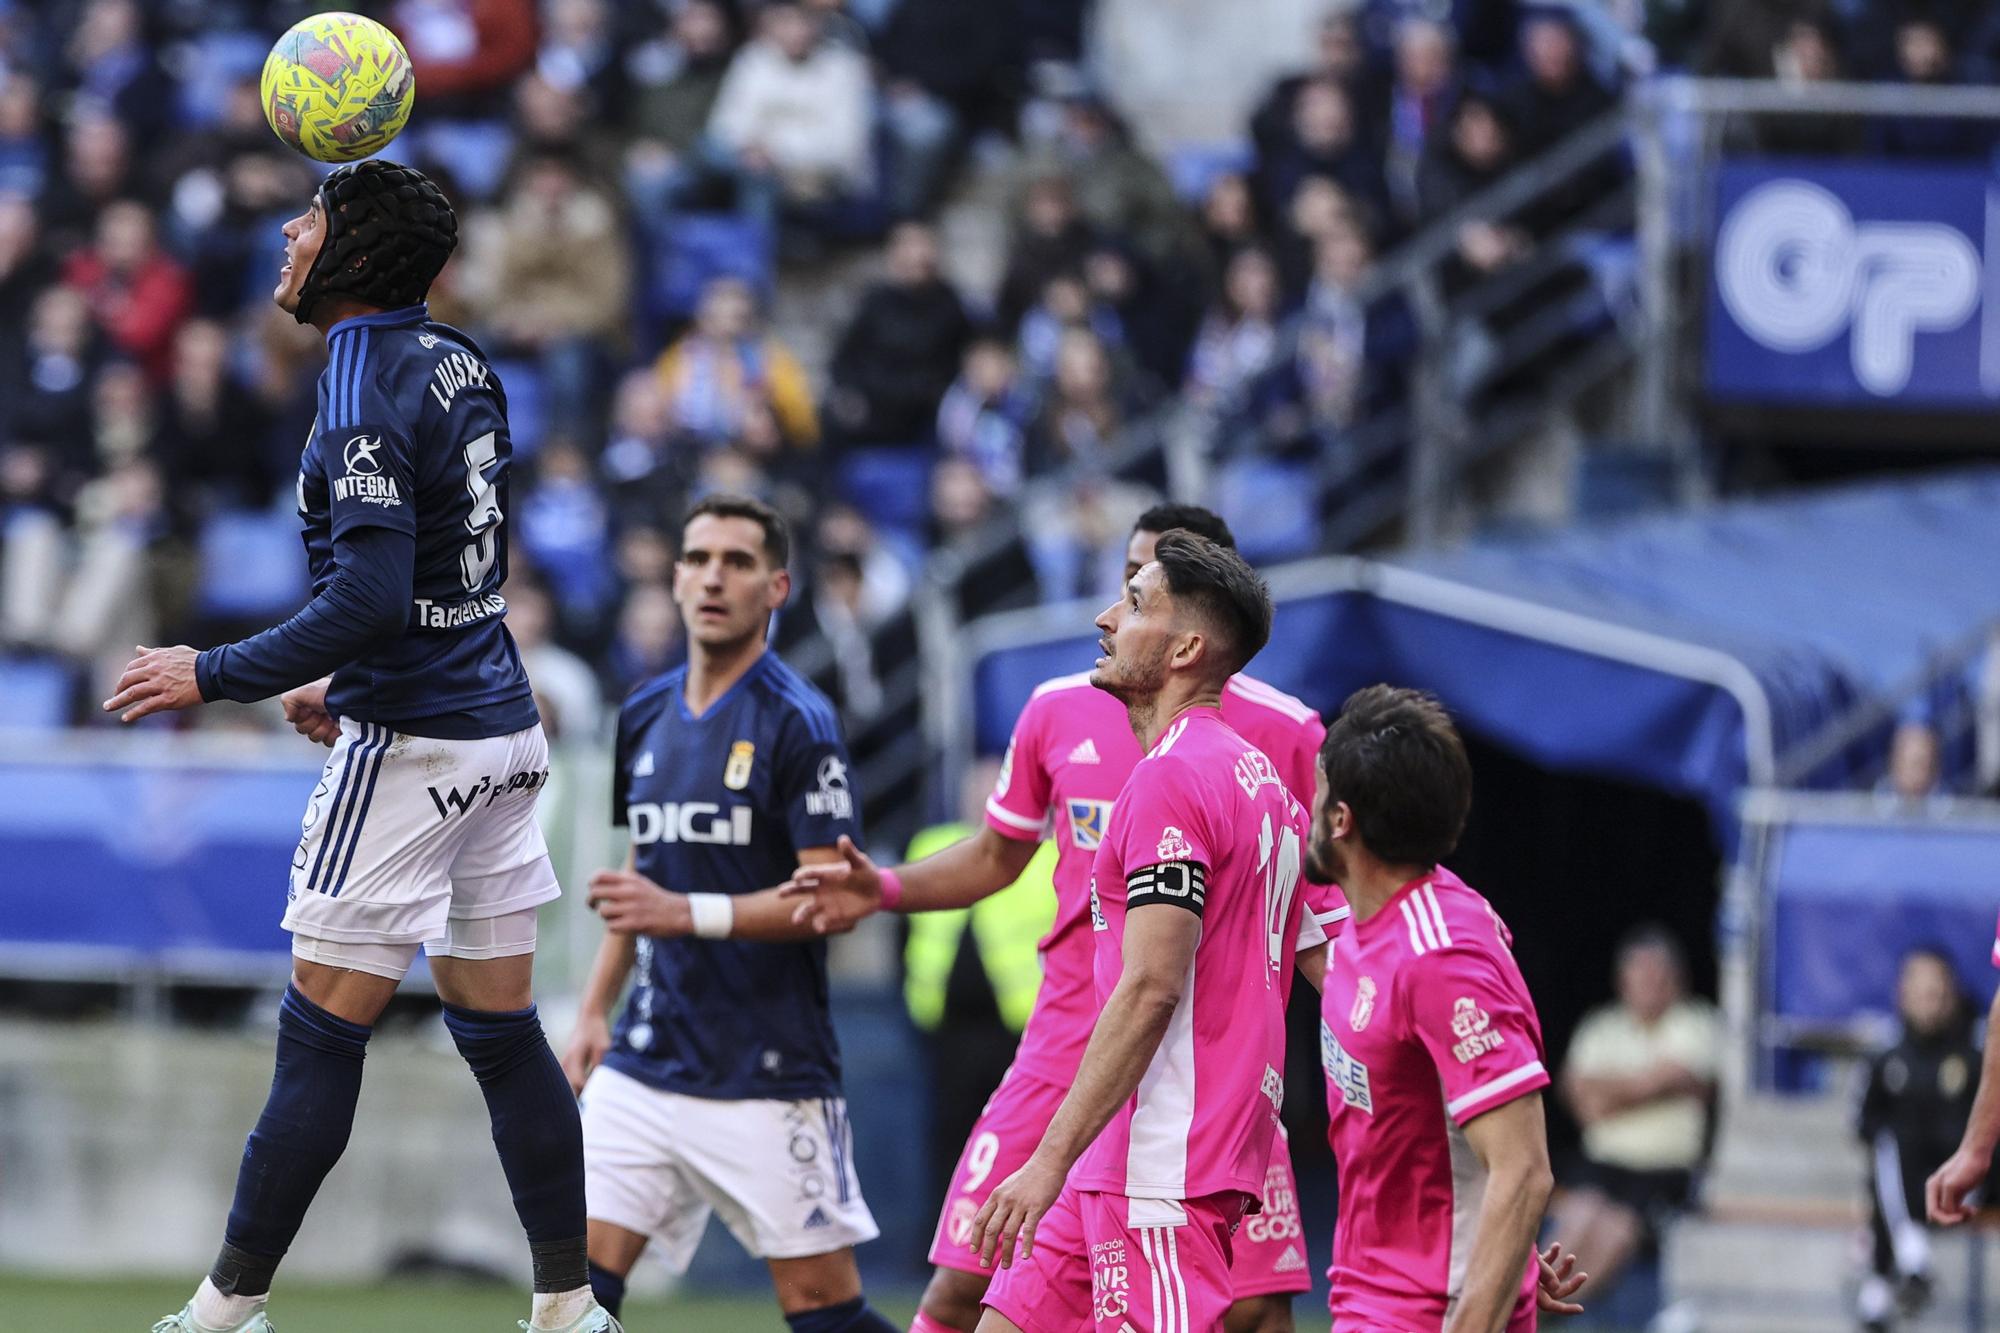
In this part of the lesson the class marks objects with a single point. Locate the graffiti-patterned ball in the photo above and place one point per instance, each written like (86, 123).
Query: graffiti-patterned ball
(338, 87)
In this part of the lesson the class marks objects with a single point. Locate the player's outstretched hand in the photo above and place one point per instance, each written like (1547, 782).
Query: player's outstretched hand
(630, 902)
(835, 895)
(1014, 1208)
(588, 1046)
(1559, 1281)
(1945, 1191)
(157, 680)
(305, 709)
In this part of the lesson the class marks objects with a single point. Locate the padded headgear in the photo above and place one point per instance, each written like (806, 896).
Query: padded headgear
(389, 230)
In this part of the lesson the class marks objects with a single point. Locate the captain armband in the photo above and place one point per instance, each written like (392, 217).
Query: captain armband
(1182, 883)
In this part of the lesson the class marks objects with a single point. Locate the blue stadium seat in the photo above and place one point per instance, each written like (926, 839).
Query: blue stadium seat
(685, 251)
(1193, 167)
(35, 692)
(1272, 508)
(891, 484)
(250, 564)
(209, 65)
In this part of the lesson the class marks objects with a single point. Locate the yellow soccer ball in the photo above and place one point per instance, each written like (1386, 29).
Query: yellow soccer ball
(338, 87)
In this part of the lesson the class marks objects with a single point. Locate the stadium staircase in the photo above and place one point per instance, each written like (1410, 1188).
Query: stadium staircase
(1778, 1242)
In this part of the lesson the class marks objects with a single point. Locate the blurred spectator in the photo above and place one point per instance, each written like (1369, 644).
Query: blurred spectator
(567, 694)
(1419, 98)
(1474, 156)
(1558, 94)
(1324, 141)
(1317, 211)
(466, 53)
(209, 431)
(791, 123)
(648, 640)
(1926, 58)
(1052, 238)
(1338, 58)
(1229, 218)
(884, 587)
(677, 79)
(47, 401)
(725, 363)
(1076, 528)
(24, 152)
(552, 119)
(1348, 357)
(1807, 52)
(639, 463)
(1082, 412)
(1914, 779)
(23, 274)
(557, 285)
(984, 416)
(563, 528)
(949, 68)
(1066, 306)
(1239, 339)
(137, 294)
(96, 170)
(1157, 313)
(1118, 189)
(898, 355)
(580, 50)
(1639, 1078)
(110, 65)
(1914, 1106)
(961, 502)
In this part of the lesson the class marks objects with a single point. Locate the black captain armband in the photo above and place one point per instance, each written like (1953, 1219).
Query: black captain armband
(1182, 883)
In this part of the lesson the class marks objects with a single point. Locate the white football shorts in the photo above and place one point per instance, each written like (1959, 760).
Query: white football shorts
(779, 1174)
(406, 834)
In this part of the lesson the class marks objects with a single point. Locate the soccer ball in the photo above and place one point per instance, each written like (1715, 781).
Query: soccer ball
(338, 87)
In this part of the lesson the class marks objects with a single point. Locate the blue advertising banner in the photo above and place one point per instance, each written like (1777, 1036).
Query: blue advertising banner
(1838, 284)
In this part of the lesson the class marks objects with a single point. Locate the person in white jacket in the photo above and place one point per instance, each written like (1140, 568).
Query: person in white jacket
(792, 119)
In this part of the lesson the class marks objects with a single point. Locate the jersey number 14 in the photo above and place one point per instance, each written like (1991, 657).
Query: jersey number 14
(1281, 883)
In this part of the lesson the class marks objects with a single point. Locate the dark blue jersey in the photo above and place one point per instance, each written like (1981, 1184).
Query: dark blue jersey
(722, 803)
(412, 436)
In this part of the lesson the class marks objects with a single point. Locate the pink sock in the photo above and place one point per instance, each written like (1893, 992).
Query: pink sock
(923, 1323)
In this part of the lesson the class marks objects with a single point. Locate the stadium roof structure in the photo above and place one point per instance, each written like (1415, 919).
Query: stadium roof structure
(1696, 652)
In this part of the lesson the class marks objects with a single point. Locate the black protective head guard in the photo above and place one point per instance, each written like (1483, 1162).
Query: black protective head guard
(389, 230)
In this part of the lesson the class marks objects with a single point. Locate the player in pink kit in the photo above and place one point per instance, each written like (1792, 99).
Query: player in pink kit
(1433, 1053)
(1070, 755)
(1126, 1210)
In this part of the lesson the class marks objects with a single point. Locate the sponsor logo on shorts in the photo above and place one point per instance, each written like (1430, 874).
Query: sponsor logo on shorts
(1291, 1261)
(958, 1221)
(815, 1220)
(1473, 1027)
(736, 773)
(452, 802)
(833, 799)
(1087, 821)
(1110, 1280)
(1173, 845)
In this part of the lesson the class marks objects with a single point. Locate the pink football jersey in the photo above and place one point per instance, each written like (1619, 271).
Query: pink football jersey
(1069, 757)
(1996, 946)
(1204, 824)
(1425, 1024)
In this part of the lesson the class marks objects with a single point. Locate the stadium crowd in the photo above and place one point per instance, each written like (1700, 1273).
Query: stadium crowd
(628, 176)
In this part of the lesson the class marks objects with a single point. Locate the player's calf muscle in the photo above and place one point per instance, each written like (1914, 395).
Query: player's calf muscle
(815, 1281)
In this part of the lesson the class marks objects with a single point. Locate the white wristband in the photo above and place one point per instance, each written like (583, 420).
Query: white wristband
(714, 915)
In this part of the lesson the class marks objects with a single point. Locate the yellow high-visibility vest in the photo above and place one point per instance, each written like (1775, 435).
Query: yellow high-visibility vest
(1006, 927)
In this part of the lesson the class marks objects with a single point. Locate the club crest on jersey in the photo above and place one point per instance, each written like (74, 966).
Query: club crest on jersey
(1173, 845)
(736, 773)
(1473, 1027)
(1087, 821)
(1364, 1004)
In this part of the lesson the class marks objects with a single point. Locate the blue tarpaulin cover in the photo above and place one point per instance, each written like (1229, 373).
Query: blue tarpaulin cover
(1687, 651)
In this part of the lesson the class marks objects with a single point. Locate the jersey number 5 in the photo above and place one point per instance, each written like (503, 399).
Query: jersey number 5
(1281, 882)
(475, 562)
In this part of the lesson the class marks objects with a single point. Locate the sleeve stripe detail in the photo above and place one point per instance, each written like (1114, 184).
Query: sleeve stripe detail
(1000, 812)
(1425, 920)
(1337, 914)
(1494, 1087)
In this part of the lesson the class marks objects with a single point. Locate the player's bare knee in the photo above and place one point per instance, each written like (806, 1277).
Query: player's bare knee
(1259, 1314)
(486, 963)
(352, 982)
(815, 1281)
(952, 1298)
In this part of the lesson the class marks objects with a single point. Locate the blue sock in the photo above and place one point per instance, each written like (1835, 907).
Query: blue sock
(297, 1140)
(847, 1317)
(608, 1288)
(537, 1130)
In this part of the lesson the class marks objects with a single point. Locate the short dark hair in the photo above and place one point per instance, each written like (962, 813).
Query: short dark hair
(777, 533)
(1224, 591)
(1167, 517)
(1395, 758)
(1656, 937)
